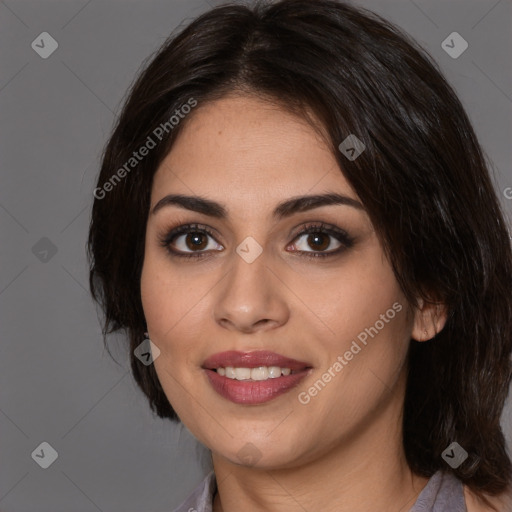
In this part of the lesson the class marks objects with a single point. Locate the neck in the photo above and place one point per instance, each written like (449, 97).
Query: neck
(365, 470)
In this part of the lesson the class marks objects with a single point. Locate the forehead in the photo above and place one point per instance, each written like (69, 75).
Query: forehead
(248, 151)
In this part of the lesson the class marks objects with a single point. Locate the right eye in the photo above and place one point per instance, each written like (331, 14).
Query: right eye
(191, 240)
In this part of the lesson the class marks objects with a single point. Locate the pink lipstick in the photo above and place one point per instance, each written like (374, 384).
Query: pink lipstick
(253, 377)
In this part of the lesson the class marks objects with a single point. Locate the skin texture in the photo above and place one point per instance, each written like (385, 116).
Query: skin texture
(342, 451)
(502, 503)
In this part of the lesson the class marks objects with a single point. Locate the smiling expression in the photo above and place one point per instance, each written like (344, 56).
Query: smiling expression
(237, 258)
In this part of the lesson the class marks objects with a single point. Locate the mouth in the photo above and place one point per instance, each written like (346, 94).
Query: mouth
(256, 374)
(253, 377)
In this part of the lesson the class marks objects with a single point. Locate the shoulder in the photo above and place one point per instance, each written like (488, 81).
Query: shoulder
(501, 503)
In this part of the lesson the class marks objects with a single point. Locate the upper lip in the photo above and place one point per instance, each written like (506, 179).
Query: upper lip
(252, 360)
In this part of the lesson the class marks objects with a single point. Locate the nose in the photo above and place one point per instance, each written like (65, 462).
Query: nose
(251, 297)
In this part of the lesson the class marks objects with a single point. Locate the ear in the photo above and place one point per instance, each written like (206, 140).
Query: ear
(429, 319)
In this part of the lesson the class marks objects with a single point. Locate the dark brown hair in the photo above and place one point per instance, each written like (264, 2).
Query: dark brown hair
(422, 179)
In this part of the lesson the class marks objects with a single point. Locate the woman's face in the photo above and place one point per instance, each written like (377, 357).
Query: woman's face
(254, 285)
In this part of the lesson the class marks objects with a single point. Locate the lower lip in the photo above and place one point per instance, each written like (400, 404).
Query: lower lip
(253, 392)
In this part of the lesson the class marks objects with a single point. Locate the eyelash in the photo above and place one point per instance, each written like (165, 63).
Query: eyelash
(312, 228)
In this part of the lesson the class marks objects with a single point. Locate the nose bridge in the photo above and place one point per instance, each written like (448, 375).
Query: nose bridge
(250, 292)
(248, 277)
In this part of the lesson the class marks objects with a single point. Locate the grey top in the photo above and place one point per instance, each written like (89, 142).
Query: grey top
(443, 493)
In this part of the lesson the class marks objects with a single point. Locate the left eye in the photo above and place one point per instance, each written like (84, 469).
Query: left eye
(191, 240)
(317, 241)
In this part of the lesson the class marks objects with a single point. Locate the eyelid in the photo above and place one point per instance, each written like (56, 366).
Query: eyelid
(342, 236)
(331, 230)
(182, 229)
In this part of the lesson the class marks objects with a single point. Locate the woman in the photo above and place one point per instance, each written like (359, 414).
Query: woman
(294, 208)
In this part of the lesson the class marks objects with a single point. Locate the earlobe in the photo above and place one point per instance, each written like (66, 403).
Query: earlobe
(429, 320)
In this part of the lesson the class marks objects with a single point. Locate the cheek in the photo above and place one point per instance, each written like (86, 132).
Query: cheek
(154, 298)
(173, 308)
(161, 303)
(362, 371)
(165, 310)
(162, 291)
(353, 298)
(364, 322)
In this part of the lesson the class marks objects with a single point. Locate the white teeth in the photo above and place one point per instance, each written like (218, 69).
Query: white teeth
(260, 373)
(242, 373)
(274, 372)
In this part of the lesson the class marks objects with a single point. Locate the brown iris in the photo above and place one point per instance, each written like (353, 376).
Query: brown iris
(316, 244)
(195, 240)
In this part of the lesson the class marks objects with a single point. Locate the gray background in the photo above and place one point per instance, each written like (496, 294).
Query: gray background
(57, 383)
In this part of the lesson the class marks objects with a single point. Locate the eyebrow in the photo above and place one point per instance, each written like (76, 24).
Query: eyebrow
(282, 210)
